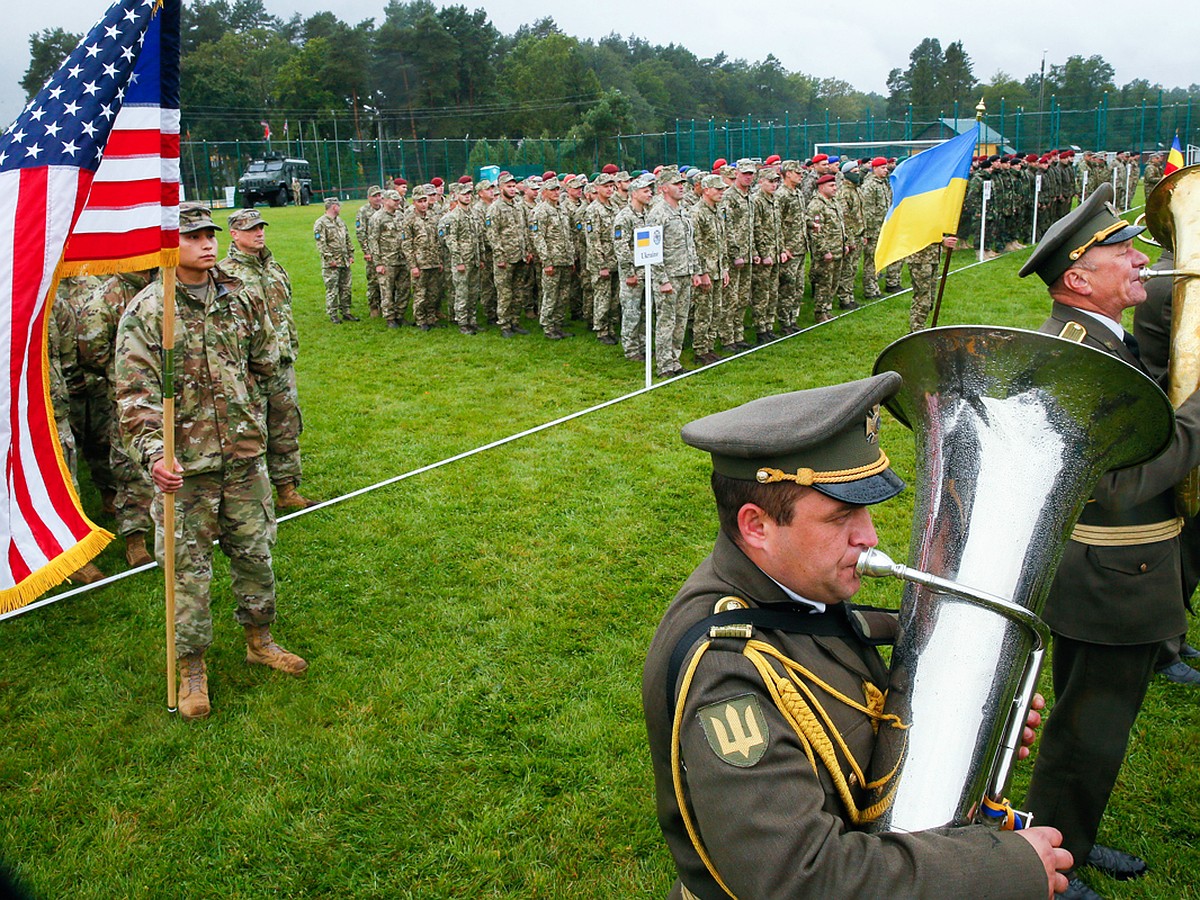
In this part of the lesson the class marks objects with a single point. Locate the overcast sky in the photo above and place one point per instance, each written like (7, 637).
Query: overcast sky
(859, 46)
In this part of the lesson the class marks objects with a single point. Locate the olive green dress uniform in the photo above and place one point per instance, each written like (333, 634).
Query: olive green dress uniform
(764, 276)
(602, 255)
(423, 250)
(739, 232)
(708, 227)
(771, 813)
(1116, 595)
(362, 231)
(826, 234)
(337, 256)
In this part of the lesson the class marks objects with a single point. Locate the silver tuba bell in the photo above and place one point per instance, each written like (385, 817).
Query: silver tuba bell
(1013, 429)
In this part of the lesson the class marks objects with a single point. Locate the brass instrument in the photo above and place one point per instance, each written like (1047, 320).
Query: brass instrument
(1173, 216)
(1013, 429)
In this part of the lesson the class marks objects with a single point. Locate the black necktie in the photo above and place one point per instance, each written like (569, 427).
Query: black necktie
(1132, 344)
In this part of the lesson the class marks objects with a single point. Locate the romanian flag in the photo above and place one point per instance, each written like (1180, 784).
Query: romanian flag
(927, 198)
(1174, 158)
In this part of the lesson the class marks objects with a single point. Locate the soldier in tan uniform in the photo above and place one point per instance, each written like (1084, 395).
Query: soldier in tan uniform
(337, 257)
(386, 235)
(602, 260)
(362, 230)
(768, 255)
(708, 226)
(739, 232)
(463, 242)
(423, 253)
(550, 228)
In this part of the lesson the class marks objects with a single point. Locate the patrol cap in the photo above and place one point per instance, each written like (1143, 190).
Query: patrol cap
(245, 219)
(533, 181)
(373, 190)
(671, 175)
(464, 187)
(1094, 222)
(768, 174)
(332, 201)
(550, 184)
(747, 165)
(576, 181)
(483, 184)
(694, 175)
(195, 217)
(391, 195)
(644, 180)
(713, 181)
(421, 190)
(604, 178)
(826, 438)
(790, 165)
(504, 178)
(727, 170)
(622, 176)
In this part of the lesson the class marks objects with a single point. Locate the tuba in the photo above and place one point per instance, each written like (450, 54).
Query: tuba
(1012, 429)
(1173, 216)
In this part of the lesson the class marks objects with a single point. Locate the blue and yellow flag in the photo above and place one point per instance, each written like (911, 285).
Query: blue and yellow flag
(927, 198)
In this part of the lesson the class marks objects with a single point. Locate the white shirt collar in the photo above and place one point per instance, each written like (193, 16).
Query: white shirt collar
(1114, 327)
(816, 606)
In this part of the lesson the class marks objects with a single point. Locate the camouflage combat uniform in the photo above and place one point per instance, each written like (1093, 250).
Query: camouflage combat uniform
(852, 219)
(462, 238)
(791, 273)
(678, 265)
(876, 196)
(602, 255)
(505, 224)
(923, 269)
(63, 356)
(480, 209)
(550, 230)
(764, 276)
(333, 243)
(91, 408)
(739, 232)
(708, 227)
(633, 296)
(267, 284)
(362, 230)
(225, 346)
(386, 234)
(97, 330)
(826, 235)
(1153, 175)
(423, 251)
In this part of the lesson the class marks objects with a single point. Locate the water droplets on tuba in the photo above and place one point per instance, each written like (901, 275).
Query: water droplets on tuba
(1013, 429)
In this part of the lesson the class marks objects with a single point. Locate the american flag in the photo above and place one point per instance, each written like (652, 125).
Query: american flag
(91, 167)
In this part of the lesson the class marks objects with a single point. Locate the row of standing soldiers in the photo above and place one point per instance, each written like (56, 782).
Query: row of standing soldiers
(737, 240)
(1016, 203)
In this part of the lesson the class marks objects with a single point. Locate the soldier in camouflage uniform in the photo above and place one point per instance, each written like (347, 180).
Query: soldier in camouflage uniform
(510, 248)
(625, 223)
(795, 241)
(708, 227)
(583, 301)
(852, 219)
(265, 281)
(61, 351)
(423, 253)
(224, 345)
(391, 269)
(827, 244)
(463, 242)
(739, 232)
(91, 409)
(1154, 172)
(485, 196)
(550, 229)
(768, 253)
(96, 353)
(923, 268)
(337, 257)
(675, 278)
(876, 196)
(362, 230)
(602, 260)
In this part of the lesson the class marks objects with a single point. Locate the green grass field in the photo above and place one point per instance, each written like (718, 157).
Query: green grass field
(471, 721)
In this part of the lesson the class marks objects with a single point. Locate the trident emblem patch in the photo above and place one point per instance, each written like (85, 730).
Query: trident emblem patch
(736, 730)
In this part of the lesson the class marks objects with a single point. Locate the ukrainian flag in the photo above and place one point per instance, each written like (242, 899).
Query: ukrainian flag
(927, 199)
(1174, 158)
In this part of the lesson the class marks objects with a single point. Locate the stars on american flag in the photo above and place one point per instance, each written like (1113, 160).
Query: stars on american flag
(70, 119)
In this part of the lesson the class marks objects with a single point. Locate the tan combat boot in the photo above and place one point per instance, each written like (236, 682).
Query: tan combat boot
(193, 687)
(261, 649)
(88, 573)
(135, 550)
(290, 498)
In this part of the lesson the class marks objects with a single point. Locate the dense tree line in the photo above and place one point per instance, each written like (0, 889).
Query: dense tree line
(425, 72)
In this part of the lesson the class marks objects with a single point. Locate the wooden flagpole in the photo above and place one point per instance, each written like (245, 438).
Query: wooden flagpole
(168, 325)
(937, 306)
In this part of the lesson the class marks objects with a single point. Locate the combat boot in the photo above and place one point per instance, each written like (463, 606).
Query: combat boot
(290, 498)
(261, 649)
(88, 573)
(108, 500)
(193, 687)
(135, 550)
